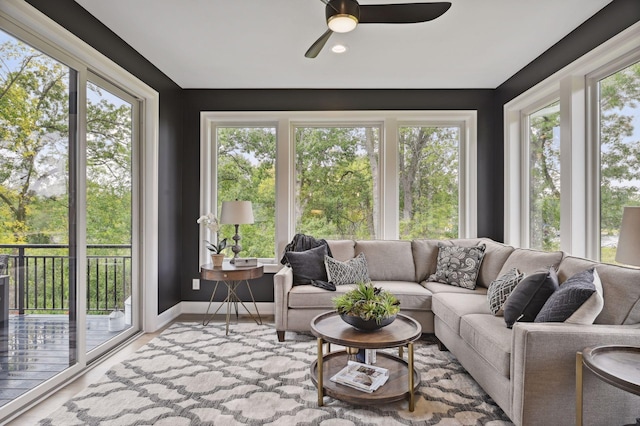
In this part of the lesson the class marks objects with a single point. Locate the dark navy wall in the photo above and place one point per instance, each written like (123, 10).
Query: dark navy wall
(489, 167)
(179, 127)
(77, 20)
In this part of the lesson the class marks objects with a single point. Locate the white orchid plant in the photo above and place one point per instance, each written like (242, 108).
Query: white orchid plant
(211, 222)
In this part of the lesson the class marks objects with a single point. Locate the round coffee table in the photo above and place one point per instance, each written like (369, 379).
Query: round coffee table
(403, 379)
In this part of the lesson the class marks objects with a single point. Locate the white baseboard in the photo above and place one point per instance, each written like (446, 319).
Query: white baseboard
(265, 308)
(165, 318)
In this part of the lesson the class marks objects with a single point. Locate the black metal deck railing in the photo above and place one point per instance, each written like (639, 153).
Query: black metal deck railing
(39, 277)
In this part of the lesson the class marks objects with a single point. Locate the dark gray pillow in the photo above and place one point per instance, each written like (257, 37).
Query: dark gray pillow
(571, 295)
(528, 297)
(307, 265)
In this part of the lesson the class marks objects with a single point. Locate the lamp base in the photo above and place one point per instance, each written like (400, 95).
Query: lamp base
(237, 248)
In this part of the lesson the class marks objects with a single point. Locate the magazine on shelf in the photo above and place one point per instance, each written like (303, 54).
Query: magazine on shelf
(363, 377)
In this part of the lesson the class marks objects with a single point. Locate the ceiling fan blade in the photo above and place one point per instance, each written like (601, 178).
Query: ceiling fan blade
(318, 45)
(403, 13)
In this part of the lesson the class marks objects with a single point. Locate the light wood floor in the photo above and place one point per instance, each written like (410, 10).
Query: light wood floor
(57, 399)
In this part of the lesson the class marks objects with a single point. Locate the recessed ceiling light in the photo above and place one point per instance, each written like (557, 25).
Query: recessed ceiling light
(339, 48)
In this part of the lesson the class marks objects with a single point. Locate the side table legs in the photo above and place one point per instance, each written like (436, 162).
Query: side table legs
(578, 388)
(231, 299)
(412, 401)
(320, 374)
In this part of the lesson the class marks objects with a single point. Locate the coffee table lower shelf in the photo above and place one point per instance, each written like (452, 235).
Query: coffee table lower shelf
(395, 389)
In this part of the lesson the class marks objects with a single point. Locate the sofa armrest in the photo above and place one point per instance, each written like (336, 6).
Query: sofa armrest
(543, 373)
(282, 284)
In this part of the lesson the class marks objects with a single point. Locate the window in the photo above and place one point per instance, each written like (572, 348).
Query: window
(337, 182)
(544, 177)
(572, 149)
(429, 181)
(246, 171)
(340, 174)
(619, 136)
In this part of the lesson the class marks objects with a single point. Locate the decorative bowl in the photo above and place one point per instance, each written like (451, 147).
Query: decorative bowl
(366, 325)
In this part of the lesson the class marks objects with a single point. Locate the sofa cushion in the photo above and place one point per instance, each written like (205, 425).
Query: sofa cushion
(495, 255)
(529, 261)
(425, 257)
(620, 289)
(434, 288)
(501, 288)
(490, 339)
(307, 265)
(412, 296)
(388, 259)
(451, 307)
(352, 271)
(571, 296)
(528, 298)
(342, 249)
(458, 265)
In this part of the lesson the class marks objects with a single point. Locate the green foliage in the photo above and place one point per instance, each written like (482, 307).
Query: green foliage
(216, 249)
(367, 302)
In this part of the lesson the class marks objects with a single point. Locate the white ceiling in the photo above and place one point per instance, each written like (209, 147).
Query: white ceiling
(261, 43)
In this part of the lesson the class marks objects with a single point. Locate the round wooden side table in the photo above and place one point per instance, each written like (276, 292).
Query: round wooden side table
(232, 276)
(616, 365)
(403, 379)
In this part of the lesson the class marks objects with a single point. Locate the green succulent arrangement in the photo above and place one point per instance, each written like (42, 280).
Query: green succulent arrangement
(367, 302)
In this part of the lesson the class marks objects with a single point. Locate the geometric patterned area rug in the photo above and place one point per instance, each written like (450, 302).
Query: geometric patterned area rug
(195, 375)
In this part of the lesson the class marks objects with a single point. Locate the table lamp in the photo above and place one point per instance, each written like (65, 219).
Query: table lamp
(628, 251)
(236, 213)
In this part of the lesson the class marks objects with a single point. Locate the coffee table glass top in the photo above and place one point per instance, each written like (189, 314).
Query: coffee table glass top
(331, 328)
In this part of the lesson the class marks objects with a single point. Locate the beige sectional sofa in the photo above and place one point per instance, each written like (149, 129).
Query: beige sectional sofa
(529, 370)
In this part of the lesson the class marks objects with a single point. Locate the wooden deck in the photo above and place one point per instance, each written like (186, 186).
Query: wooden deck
(34, 348)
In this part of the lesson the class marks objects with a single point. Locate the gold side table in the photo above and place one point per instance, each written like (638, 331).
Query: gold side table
(617, 365)
(232, 276)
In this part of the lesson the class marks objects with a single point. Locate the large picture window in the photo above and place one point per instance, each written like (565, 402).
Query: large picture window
(341, 174)
(572, 153)
(544, 177)
(337, 182)
(246, 171)
(429, 162)
(619, 135)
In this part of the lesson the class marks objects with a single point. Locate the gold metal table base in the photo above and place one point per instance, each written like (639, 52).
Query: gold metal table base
(232, 299)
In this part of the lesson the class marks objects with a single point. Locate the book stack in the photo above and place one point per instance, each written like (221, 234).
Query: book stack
(363, 377)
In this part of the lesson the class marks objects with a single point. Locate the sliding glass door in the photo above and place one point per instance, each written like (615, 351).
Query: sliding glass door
(68, 208)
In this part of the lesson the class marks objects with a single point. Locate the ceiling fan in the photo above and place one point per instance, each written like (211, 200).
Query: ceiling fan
(344, 15)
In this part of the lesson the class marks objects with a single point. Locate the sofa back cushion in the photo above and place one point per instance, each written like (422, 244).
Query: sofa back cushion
(388, 260)
(495, 255)
(342, 249)
(620, 289)
(529, 261)
(425, 257)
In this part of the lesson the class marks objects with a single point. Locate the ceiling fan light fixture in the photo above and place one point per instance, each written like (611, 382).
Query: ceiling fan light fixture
(342, 23)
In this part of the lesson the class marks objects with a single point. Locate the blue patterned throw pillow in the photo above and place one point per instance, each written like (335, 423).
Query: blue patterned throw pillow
(578, 300)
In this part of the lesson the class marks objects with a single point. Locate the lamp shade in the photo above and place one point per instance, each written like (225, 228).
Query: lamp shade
(236, 213)
(628, 251)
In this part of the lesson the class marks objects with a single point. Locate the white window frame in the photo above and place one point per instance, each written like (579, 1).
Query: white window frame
(25, 22)
(578, 208)
(389, 122)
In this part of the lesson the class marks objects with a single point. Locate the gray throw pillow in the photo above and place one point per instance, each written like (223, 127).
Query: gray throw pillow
(500, 288)
(571, 297)
(528, 298)
(458, 266)
(307, 265)
(352, 271)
